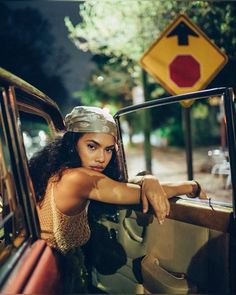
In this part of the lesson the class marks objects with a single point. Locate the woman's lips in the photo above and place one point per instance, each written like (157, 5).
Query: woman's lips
(97, 168)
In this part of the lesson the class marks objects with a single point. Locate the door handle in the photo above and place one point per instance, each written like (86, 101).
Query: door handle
(131, 233)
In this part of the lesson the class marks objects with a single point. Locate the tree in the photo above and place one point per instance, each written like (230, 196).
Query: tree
(26, 46)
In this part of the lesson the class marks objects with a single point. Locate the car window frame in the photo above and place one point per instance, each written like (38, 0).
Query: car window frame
(229, 99)
(17, 153)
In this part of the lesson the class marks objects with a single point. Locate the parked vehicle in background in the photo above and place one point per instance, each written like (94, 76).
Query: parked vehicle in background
(192, 252)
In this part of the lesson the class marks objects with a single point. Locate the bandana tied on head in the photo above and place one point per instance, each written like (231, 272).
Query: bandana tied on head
(90, 119)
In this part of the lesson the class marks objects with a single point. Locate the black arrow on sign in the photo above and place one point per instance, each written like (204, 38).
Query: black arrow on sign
(182, 31)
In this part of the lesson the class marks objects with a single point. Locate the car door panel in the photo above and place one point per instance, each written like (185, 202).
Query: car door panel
(178, 255)
(35, 272)
(158, 280)
(188, 250)
(183, 250)
(200, 213)
(46, 276)
(191, 227)
(174, 264)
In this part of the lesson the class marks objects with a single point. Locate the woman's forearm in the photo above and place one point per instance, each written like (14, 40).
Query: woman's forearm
(171, 189)
(178, 188)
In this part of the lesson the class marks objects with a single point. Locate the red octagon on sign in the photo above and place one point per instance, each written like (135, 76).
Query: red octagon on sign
(184, 70)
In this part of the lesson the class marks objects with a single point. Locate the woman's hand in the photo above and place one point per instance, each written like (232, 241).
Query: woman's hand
(196, 191)
(203, 195)
(153, 193)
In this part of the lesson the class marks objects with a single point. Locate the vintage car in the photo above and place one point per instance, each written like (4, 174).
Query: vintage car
(194, 251)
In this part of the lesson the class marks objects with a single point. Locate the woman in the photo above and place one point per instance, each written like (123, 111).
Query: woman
(81, 166)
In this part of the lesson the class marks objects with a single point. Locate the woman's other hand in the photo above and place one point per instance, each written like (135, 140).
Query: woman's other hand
(154, 194)
(203, 195)
(197, 191)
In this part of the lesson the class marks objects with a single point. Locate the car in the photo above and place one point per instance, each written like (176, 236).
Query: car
(192, 252)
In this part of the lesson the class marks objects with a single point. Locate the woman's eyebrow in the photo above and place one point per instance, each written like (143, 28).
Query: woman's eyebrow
(93, 141)
(97, 143)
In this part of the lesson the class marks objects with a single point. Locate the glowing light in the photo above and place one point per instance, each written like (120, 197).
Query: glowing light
(100, 78)
(106, 109)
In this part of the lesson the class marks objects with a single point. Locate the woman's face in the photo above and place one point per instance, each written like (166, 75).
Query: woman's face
(95, 150)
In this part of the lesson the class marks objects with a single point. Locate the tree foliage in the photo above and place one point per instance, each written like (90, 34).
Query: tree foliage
(26, 47)
(119, 28)
(126, 28)
(110, 84)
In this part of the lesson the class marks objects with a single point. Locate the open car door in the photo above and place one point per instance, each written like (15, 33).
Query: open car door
(194, 250)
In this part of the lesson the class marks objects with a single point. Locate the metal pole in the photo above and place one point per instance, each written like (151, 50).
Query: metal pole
(188, 141)
(147, 125)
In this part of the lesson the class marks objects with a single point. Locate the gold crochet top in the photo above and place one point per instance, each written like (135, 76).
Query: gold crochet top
(61, 231)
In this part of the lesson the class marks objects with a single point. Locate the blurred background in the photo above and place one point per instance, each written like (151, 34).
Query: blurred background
(88, 52)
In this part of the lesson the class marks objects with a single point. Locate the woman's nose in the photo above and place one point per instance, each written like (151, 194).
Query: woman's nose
(100, 157)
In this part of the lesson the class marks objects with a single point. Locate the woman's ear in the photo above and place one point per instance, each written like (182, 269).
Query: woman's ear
(116, 147)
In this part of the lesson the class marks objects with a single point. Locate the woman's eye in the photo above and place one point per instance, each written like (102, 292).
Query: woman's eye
(91, 146)
(109, 150)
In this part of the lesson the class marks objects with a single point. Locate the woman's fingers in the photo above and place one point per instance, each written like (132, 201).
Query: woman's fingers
(168, 206)
(203, 195)
(164, 209)
(144, 203)
(154, 194)
(160, 205)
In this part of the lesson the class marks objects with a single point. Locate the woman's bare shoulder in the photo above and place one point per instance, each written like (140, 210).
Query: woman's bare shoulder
(80, 176)
(74, 173)
(71, 190)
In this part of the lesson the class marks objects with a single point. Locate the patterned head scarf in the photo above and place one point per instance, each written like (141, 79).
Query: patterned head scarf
(90, 119)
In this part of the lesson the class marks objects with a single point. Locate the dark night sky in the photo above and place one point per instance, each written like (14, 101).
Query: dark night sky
(78, 65)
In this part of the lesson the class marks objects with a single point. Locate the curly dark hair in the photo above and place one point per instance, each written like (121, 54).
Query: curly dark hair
(58, 155)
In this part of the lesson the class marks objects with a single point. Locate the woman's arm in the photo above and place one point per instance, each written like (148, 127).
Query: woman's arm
(89, 184)
(78, 185)
(171, 188)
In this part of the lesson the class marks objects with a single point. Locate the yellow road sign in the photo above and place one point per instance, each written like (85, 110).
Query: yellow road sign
(183, 59)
